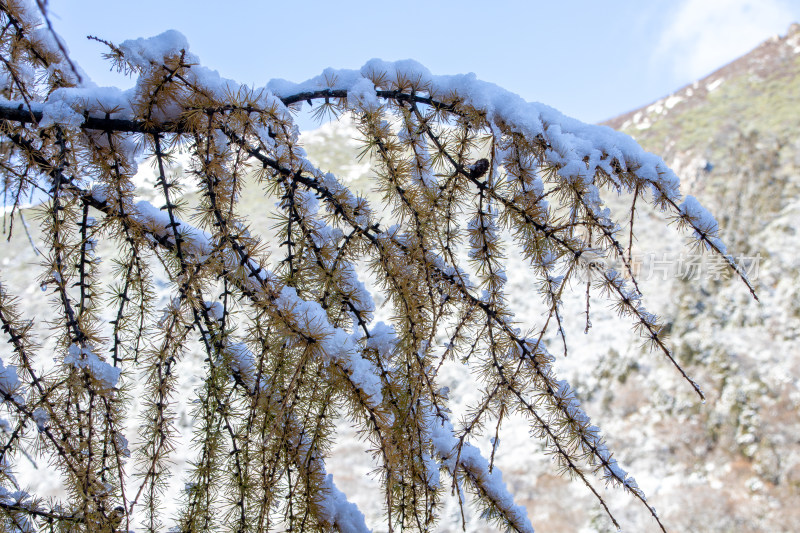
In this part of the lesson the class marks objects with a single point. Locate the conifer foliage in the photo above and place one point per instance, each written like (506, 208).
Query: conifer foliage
(471, 173)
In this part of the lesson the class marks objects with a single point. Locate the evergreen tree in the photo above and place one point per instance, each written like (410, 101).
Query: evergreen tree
(471, 174)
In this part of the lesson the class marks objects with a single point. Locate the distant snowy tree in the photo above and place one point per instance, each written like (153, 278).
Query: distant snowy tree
(471, 173)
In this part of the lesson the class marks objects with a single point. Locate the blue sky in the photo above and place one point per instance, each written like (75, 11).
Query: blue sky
(589, 59)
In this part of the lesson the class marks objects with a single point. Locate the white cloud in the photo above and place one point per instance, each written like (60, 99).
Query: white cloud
(703, 35)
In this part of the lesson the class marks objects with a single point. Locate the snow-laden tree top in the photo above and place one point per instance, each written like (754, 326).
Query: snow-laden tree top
(471, 172)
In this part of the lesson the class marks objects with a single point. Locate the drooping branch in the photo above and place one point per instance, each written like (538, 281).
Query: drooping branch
(289, 347)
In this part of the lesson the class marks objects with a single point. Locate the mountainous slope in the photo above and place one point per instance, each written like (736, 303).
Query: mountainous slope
(759, 91)
(734, 138)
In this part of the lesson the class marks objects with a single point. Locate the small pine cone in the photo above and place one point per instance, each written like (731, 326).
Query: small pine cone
(479, 168)
(116, 517)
